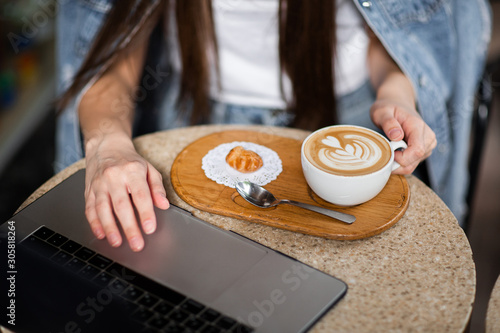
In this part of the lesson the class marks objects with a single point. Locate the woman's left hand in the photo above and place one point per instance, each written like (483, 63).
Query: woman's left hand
(402, 122)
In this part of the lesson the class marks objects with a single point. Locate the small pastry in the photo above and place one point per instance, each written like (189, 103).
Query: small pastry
(243, 160)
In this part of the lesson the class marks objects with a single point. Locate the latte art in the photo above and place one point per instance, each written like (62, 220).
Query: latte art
(348, 151)
(360, 153)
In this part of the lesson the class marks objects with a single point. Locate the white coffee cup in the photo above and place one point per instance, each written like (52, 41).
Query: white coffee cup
(348, 165)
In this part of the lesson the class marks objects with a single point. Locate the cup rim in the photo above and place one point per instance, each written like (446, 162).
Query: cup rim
(382, 169)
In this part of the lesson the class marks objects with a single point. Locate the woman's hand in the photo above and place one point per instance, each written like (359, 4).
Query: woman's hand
(118, 180)
(394, 110)
(119, 183)
(400, 122)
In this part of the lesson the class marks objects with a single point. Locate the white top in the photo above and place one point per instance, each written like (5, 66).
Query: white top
(247, 41)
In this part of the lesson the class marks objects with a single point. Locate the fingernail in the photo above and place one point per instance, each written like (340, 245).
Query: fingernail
(165, 204)
(148, 226)
(114, 239)
(395, 133)
(136, 243)
(98, 233)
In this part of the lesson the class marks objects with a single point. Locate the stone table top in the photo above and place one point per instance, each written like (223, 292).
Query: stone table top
(417, 276)
(493, 313)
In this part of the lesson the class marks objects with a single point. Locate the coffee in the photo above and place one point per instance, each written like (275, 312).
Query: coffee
(347, 151)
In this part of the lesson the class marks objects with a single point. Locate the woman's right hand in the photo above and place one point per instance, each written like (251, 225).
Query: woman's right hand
(118, 180)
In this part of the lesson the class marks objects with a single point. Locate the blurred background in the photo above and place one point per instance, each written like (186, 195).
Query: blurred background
(27, 89)
(27, 124)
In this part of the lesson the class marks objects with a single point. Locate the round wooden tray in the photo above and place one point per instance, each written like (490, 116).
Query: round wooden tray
(196, 189)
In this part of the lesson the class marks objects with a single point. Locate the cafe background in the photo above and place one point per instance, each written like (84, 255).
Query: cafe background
(27, 123)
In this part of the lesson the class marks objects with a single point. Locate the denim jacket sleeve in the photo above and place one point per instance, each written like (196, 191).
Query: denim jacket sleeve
(441, 46)
(77, 24)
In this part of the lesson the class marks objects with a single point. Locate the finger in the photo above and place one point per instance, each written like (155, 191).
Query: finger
(105, 215)
(404, 169)
(383, 117)
(123, 208)
(92, 218)
(415, 153)
(157, 189)
(421, 142)
(409, 160)
(141, 197)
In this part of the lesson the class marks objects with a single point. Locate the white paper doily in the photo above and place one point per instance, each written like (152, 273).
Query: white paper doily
(215, 166)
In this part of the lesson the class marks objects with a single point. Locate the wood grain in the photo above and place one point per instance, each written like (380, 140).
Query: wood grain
(196, 189)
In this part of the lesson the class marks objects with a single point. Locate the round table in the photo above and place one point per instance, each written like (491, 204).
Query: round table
(417, 276)
(493, 314)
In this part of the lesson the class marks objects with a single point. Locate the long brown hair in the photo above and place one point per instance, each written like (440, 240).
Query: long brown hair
(306, 50)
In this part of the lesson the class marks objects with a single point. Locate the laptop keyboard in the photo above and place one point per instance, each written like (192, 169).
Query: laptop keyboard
(157, 307)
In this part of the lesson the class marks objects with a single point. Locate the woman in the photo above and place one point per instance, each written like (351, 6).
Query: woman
(263, 61)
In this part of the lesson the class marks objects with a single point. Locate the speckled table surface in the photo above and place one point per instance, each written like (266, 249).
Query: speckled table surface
(418, 276)
(493, 314)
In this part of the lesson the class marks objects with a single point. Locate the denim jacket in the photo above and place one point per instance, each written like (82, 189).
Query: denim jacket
(440, 45)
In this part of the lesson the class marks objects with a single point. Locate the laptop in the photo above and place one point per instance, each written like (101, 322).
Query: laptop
(191, 276)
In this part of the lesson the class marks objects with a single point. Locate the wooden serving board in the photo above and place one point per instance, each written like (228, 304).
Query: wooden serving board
(196, 189)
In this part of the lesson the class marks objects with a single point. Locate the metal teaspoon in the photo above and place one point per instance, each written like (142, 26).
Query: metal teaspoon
(261, 197)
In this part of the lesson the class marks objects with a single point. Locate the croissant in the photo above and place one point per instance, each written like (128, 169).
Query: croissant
(243, 160)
